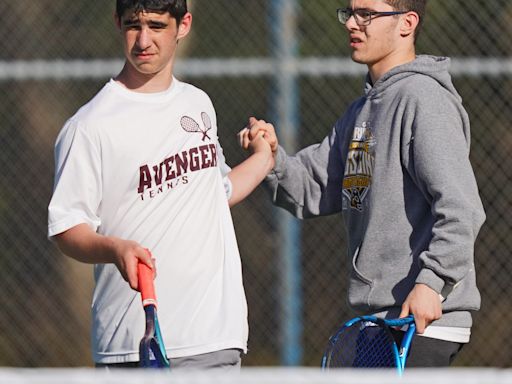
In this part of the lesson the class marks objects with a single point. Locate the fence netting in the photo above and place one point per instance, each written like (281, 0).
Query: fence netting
(45, 301)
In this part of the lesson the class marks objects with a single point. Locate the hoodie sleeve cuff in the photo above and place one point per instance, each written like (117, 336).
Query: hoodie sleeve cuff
(280, 165)
(428, 277)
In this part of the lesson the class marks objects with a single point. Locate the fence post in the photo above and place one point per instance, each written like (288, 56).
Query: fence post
(285, 113)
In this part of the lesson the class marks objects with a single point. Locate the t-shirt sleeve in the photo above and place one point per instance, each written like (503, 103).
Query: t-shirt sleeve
(77, 188)
(224, 170)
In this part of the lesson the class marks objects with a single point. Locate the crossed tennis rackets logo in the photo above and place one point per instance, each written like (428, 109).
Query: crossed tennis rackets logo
(192, 126)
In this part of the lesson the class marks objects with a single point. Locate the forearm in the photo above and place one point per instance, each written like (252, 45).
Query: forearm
(309, 183)
(83, 244)
(436, 155)
(246, 176)
(457, 216)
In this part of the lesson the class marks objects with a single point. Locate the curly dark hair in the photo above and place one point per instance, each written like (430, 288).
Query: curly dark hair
(176, 8)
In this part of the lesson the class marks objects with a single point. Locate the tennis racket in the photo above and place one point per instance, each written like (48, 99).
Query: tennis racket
(367, 342)
(207, 124)
(191, 126)
(151, 349)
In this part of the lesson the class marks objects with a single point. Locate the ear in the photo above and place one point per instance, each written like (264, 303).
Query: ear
(410, 22)
(185, 26)
(117, 20)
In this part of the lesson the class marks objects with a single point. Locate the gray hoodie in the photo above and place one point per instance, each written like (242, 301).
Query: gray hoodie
(397, 166)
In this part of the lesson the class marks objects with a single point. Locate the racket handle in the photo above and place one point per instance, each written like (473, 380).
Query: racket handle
(146, 285)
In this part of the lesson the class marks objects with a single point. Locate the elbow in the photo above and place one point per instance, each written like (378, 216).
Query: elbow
(479, 219)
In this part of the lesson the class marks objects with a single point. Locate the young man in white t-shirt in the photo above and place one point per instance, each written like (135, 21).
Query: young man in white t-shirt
(140, 167)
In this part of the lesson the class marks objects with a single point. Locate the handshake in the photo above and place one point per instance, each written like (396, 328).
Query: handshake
(258, 136)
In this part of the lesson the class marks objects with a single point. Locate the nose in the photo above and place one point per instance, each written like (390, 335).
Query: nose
(144, 38)
(351, 23)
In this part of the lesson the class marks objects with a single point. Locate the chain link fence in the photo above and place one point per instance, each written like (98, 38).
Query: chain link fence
(236, 47)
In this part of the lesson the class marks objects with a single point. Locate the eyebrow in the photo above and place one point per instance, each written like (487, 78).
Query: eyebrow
(161, 24)
(151, 23)
(363, 9)
(131, 21)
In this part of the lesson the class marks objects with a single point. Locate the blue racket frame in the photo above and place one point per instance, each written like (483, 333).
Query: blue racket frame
(400, 354)
(152, 352)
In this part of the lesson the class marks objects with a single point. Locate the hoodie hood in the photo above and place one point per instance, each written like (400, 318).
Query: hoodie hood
(432, 66)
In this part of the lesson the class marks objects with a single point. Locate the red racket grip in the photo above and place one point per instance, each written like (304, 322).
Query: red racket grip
(146, 285)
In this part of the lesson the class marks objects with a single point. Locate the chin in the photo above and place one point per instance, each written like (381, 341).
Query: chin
(146, 69)
(358, 59)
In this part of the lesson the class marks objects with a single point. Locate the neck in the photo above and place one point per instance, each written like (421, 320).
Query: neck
(395, 59)
(136, 81)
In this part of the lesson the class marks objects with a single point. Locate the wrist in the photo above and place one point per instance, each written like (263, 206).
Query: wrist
(429, 278)
(108, 249)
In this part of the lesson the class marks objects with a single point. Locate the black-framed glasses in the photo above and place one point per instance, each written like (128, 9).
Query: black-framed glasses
(362, 16)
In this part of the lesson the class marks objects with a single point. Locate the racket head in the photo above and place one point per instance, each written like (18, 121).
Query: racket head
(207, 125)
(189, 124)
(151, 348)
(363, 342)
(406, 342)
(206, 121)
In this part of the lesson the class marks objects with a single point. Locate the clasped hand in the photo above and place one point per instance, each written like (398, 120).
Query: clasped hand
(257, 136)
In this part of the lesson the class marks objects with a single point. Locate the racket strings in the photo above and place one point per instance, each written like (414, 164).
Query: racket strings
(207, 125)
(206, 121)
(190, 125)
(363, 347)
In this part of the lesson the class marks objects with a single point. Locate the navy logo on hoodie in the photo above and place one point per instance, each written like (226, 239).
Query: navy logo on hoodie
(359, 167)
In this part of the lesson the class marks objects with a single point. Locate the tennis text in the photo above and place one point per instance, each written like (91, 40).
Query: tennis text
(172, 171)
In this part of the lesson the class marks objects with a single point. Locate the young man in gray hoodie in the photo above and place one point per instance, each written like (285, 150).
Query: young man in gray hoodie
(396, 164)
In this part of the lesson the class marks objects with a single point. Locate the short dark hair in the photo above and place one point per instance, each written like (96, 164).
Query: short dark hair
(176, 8)
(418, 6)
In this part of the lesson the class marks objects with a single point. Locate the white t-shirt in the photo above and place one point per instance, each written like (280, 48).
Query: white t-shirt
(149, 168)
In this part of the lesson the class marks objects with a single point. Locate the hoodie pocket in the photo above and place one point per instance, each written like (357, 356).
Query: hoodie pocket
(359, 288)
(356, 272)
